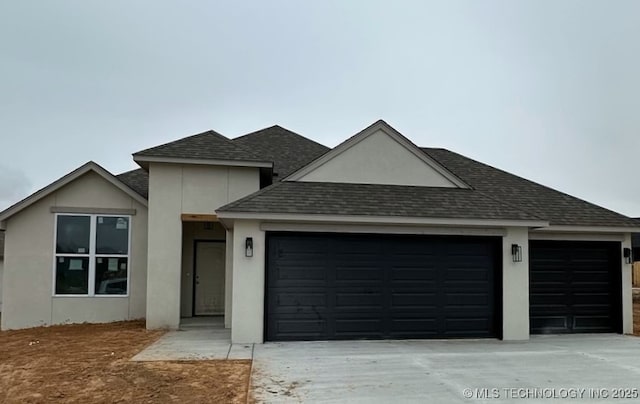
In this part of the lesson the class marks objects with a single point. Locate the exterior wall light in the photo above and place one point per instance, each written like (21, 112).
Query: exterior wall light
(628, 256)
(516, 252)
(248, 247)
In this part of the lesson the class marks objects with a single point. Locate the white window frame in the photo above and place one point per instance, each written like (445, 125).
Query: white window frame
(93, 224)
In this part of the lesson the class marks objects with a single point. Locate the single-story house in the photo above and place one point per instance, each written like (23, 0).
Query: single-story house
(635, 244)
(290, 240)
(1, 265)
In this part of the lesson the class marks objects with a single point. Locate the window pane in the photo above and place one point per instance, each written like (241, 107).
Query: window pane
(72, 275)
(112, 235)
(73, 235)
(111, 276)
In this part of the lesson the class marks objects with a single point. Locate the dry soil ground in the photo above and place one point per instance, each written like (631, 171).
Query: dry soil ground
(90, 364)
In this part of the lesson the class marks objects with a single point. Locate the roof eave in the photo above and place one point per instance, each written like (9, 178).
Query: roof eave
(228, 216)
(589, 229)
(143, 161)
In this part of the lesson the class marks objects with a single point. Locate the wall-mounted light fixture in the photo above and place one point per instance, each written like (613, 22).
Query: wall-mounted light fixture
(628, 255)
(516, 253)
(248, 247)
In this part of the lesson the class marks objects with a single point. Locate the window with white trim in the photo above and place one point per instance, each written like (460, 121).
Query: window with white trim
(92, 254)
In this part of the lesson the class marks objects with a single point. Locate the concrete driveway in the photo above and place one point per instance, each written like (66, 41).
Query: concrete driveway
(577, 368)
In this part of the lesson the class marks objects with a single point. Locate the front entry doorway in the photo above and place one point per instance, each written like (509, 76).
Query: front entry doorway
(208, 280)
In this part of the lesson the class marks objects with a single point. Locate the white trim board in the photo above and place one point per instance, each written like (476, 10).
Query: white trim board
(533, 235)
(372, 229)
(588, 229)
(399, 220)
(211, 162)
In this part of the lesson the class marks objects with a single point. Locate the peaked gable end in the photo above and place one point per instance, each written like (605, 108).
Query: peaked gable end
(378, 155)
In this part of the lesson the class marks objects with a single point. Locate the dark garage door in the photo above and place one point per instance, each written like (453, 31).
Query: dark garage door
(333, 286)
(574, 287)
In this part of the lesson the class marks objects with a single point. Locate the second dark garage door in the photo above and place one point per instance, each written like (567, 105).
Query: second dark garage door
(574, 287)
(335, 286)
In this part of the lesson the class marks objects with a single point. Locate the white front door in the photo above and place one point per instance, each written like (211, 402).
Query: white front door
(209, 278)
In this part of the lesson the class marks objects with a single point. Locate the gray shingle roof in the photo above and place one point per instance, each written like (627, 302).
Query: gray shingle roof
(556, 207)
(138, 180)
(206, 145)
(497, 193)
(288, 150)
(375, 200)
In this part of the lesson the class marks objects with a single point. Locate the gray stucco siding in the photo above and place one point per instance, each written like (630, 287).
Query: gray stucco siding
(29, 259)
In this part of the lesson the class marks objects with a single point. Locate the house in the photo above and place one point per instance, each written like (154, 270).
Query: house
(1, 265)
(290, 240)
(635, 243)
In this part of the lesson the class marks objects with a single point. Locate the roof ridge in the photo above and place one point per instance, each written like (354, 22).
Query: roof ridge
(182, 139)
(257, 132)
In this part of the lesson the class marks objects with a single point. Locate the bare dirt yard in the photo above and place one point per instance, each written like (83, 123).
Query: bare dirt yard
(90, 364)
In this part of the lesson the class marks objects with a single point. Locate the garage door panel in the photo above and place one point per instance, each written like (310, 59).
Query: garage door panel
(298, 249)
(359, 301)
(368, 273)
(414, 328)
(466, 325)
(592, 277)
(380, 286)
(413, 273)
(478, 300)
(592, 299)
(302, 329)
(574, 287)
(297, 275)
(549, 324)
(549, 299)
(296, 299)
(414, 299)
(547, 276)
(358, 326)
(467, 274)
(592, 323)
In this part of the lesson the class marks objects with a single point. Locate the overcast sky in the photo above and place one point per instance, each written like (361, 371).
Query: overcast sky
(549, 90)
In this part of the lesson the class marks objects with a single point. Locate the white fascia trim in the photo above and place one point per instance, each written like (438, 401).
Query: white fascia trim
(382, 220)
(61, 182)
(382, 229)
(393, 134)
(589, 229)
(210, 162)
(547, 235)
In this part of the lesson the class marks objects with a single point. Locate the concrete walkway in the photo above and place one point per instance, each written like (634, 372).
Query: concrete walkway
(454, 371)
(197, 339)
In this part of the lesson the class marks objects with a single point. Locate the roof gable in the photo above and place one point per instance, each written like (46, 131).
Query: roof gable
(378, 155)
(61, 182)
